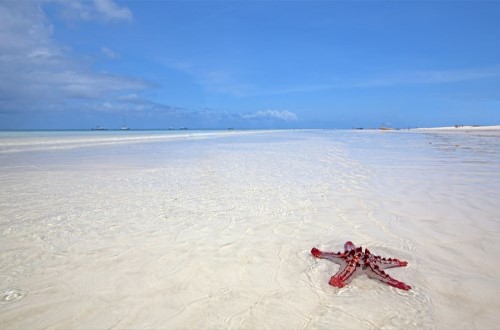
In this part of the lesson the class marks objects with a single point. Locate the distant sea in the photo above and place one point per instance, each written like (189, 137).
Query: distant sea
(30, 140)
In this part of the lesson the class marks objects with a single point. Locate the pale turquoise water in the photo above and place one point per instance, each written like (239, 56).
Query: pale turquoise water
(15, 141)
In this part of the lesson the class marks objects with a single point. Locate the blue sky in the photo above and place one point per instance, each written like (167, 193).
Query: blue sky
(248, 64)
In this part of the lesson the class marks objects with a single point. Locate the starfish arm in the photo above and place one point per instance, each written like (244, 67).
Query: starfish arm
(344, 275)
(373, 271)
(384, 263)
(348, 246)
(337, 258)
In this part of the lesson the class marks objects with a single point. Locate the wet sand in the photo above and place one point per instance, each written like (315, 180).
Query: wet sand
(216, 232)
(464, 129)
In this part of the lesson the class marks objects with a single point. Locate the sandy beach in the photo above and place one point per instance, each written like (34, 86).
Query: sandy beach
(214, 230)
(463, 129)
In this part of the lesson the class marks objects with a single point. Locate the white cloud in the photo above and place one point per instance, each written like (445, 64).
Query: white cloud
(98, 10)
(77, 10)
(132, 98)
(427, 77)
(38, 74)
(423, 77)
(34, 69)
(284, 115)
(111, 11)
(109, 53)
(23, 27)
(215, 80)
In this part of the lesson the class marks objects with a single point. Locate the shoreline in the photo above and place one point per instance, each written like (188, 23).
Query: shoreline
(465, 129)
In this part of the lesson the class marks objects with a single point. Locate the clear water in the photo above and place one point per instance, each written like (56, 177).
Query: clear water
(214, 229)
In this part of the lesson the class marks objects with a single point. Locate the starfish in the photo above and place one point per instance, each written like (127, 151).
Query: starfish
(354, 261)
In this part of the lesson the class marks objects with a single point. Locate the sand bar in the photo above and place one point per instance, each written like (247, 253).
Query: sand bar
(217, 232)
(463, 129)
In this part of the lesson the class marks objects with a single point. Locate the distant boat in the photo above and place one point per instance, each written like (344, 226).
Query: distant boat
(386, 127)
(99, 128)
(124, 126)
(183, 128)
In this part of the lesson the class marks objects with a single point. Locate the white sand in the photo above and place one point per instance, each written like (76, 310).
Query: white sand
(216, 232)
(474, 130)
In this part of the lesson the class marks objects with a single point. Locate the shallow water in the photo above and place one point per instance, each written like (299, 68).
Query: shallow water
(215, 231)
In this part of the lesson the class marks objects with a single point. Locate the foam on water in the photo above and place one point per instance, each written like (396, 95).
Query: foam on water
(216, 232)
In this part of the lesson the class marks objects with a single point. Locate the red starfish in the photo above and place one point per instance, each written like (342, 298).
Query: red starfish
(354, 261)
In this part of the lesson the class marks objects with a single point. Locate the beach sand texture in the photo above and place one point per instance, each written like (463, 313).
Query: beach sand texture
(215, 231)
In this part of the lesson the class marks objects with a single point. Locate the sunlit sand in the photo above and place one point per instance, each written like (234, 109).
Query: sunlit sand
(215, 231)
(464, 129)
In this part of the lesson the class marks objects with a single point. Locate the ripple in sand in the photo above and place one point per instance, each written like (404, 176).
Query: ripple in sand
(12, 295)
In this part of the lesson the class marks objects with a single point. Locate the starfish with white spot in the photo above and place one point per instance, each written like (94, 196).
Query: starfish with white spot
(354, 261)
